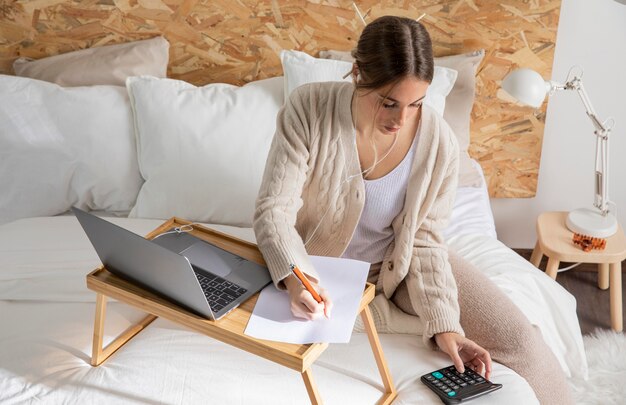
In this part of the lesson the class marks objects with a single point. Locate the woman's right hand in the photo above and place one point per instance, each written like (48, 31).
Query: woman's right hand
(463, 350)
(302, 303)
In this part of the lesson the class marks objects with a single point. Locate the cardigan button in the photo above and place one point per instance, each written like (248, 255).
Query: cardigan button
(390, 266)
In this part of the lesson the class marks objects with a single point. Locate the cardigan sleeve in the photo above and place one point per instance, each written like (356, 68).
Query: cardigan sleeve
(430, 277)
(280, 194)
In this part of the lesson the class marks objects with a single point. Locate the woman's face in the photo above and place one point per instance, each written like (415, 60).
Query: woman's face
(395, 105)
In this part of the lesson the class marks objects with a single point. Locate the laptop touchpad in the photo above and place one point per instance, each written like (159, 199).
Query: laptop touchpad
(210, 258)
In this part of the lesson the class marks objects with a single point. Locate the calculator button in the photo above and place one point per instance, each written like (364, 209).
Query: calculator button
(455, 387)
(447, 390)
(430, 377)
(472, 382)
(463, 384)
(480, 379)
(451, 393)
(437, 375)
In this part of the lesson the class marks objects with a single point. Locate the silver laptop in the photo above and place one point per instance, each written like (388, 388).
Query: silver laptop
(187, 270)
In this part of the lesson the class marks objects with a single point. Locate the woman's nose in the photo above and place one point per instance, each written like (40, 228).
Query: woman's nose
(401, 116)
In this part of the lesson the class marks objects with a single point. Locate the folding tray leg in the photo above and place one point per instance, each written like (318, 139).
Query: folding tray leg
(98, 354)
(390, 390)
(311, 388)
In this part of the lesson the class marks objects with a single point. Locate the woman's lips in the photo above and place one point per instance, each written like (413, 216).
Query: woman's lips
(392, 129)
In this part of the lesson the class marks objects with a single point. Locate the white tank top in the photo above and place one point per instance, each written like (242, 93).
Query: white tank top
(384, 200)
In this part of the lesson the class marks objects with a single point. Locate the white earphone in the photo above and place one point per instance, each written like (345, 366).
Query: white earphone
(355, 73)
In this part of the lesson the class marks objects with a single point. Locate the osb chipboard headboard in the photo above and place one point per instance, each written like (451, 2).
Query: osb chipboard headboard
(238, 41)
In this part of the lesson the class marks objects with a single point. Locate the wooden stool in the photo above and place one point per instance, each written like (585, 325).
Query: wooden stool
(555, 241)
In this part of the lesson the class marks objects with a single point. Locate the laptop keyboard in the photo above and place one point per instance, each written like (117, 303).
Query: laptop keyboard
(219, 292)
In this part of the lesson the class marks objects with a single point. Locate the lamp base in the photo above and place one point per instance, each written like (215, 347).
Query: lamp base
(590, 222)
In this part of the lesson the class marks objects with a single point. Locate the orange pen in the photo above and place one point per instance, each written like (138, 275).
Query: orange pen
(305, 282)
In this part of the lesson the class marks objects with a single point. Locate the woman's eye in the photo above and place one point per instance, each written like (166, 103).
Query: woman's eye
(418, 105)
(388, 105)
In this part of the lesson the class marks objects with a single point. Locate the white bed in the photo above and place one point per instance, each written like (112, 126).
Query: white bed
(47, 316)
(88, 146)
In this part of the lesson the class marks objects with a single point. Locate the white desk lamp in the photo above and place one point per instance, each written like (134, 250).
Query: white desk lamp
(528, 87)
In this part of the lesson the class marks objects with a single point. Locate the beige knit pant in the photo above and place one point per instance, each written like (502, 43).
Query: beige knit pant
(490, 319)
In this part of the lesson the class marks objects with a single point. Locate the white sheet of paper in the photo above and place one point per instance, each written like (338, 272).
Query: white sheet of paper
(344, 279)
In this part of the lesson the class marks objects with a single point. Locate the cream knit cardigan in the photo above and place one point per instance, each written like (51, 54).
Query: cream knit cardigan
(309, 183)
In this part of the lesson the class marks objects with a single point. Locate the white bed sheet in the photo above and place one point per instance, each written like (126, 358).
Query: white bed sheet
(44, 352)
(45, 359)
(47, 317)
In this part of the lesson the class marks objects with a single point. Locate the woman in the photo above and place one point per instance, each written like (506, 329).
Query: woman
(364, 170)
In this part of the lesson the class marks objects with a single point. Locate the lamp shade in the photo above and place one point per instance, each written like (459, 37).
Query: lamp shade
(526, 86)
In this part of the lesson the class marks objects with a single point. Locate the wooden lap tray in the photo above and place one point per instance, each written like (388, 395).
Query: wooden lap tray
(229, 329)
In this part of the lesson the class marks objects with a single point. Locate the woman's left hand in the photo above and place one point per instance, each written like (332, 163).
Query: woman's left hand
(462, 350)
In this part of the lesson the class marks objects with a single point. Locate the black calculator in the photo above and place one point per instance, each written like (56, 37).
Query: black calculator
(454, 387)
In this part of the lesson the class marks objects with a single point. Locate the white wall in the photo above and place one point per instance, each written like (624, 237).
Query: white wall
(591, 34)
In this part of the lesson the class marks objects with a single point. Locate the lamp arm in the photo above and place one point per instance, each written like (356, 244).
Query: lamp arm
(577, 84)
(601, 195)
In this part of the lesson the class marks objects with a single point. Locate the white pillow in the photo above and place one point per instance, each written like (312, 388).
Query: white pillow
(65, 146)
(202, 150)
(300, 68)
